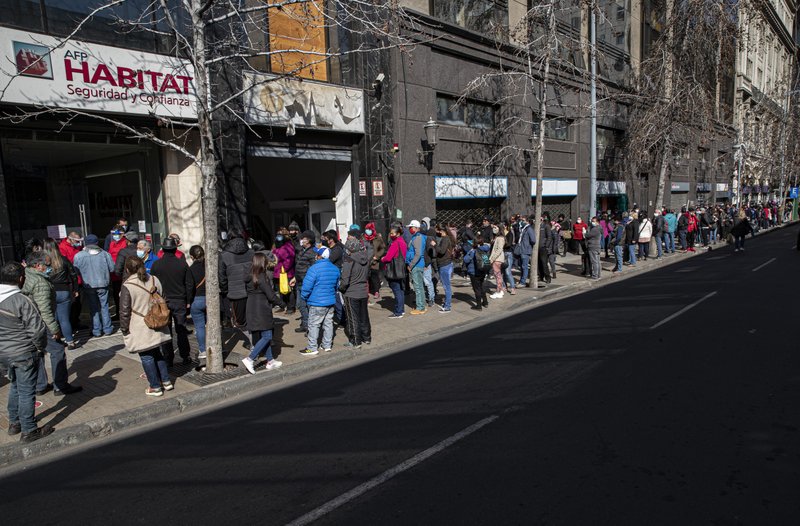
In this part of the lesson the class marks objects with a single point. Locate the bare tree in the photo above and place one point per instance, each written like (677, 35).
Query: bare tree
(217, 41)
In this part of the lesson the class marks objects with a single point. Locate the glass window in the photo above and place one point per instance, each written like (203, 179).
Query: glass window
(471, 113)
(24, 14)
(556, 128)
(482, 16)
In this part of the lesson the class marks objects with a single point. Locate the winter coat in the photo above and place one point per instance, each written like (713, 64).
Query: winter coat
(114, 248)
(319, 287)
(95, 266)
(134, 300)
(337, 255)
(285, 255)
(645, 231)
(469, 259)
(415, 254)
(659, 225)
(672, 222)
(198, 270)
(376, 249)
(355, 273)
(304, 258)
(21, 325)
(65, 279)
(577, 230)
(178, 254)
(235, 258)
(396, 247)
(149, 259)
(683, 222)
(175, 277)
(67, 250)
(444, 252)
(122, 257)
(617, 237)
(741, 228)
(498, 254)
(593, 236)
(527, 239)
(261, 298)
(38, 288)
(549, 239)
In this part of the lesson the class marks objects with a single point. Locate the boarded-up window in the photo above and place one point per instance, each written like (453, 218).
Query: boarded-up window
(297, 41)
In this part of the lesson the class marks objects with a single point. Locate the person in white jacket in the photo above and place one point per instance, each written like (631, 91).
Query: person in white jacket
(645, 233)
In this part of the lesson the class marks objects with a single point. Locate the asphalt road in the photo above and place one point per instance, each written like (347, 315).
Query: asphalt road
(602, 408)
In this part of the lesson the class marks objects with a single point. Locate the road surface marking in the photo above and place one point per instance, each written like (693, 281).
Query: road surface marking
(390, 473)
(686, 308)
(764, 265)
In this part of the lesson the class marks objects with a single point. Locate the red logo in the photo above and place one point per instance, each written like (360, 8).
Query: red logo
(32, 60)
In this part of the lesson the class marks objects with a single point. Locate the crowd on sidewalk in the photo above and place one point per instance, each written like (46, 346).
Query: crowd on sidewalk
(330, 282)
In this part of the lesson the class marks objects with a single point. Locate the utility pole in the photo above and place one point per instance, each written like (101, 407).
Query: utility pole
(593, 139)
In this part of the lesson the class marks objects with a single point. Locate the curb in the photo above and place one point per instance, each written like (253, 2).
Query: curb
(104, 426)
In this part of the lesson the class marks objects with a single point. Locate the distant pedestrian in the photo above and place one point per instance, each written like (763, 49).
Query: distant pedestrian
(197, 308)
(234, 261)
(319, 292)
(178, 284)
(476, 259)
(355, 289)
(376, 249)
(135, 300)
(497, 258)
(445, 250)
(524, 249)
(396, 275)
(65, 282)
(593, 239)
(95, 266)
(304, 258)
(415, 259)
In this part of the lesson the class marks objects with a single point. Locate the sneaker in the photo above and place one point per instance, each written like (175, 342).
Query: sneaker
(248, 364)
(153, 392)
(201, 356)
(14, 429)
(351, 345)
(497, 295)
(309, 352)
(415, 312)
(476, 307)
(395, 316)
(37, 433)
(327, 350)
(367, 342)
(443, 310)
(72, 345)
(168, 386)
(273, 364)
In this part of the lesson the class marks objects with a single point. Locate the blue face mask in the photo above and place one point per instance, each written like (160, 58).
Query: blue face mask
(140, 253)
(278, 238)
(116, 237)
(48, 271)
(368, 232)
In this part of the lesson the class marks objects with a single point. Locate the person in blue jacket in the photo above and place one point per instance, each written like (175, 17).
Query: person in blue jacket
(319, 293)
(473, 251)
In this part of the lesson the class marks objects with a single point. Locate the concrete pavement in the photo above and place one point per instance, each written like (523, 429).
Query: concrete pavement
(113, 396)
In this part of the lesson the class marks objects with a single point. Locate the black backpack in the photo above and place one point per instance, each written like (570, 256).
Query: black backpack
(482, 263)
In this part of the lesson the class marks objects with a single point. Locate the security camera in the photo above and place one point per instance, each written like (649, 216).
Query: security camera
(380, 78)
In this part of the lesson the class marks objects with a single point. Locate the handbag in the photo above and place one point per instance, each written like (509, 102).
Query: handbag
(566, 234)
(396, 269)
(283, 282)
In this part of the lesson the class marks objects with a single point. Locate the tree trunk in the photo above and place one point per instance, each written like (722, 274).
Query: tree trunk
(669, 68)
(662, 172)
(208, 172)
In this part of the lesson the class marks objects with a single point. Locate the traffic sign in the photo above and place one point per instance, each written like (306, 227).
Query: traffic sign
(794, 192)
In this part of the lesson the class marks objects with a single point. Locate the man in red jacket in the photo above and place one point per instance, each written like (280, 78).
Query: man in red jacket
(69, 246)
(117, 242)
(178, 253)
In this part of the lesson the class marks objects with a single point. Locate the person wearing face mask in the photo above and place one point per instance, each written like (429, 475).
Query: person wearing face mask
(524, 249)
(121, 226)
(304, 258)
(95, 266)
(23, 337)
(284, 252)
(39, 289)
(593, 239)
(65, 282)
(118, 242)
(397, 249)
(144, 251)
(69, 247)
(376, 249)
(132, 239)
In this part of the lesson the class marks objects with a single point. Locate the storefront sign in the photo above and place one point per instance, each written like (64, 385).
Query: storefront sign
(57, 231)
(461, 187)
(723, 187)
(142, 227)
(556, 187)
(276, 101)
(703, 187)
(362, 188)
(377, 188)
(36, 70)
(679, 187)
(611, 188)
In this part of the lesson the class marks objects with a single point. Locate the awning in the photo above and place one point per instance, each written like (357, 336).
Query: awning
(290, 152)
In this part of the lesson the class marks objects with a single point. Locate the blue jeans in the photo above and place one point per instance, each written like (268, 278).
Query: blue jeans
(58, 363)
(682, 235)
(632, 254)
(618, 257)
(98, 307)
(155, 367)
(714, 235)
(427, 277)
(418, 281)
(526, 264)
(22, 394)
(669, 242)
(738, 242)
(263, 343)
(63, 306)
(508, 277)
(198, 312)
(398, 289)
(302, 306)
(446, 275)
(659, 238)
(320, 316)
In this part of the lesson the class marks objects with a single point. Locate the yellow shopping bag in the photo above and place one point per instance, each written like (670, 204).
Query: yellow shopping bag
(283, 282)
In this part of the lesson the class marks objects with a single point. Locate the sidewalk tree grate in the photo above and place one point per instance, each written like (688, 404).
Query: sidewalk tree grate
(200, 378)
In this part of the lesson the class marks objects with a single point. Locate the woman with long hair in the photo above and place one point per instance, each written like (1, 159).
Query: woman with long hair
(65, 282)
(445, 249)
(497, 258)
(198, 306)
(397, 249)
(261, 298)
(135, 300)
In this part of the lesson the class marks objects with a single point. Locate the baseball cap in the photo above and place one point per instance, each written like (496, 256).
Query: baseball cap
(323, 252)
(413, 224)
(91, 239)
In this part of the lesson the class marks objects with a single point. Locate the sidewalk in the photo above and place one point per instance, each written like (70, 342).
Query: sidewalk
(113, 392)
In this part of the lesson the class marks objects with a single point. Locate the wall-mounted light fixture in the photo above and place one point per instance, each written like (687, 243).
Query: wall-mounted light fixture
(425, 155)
